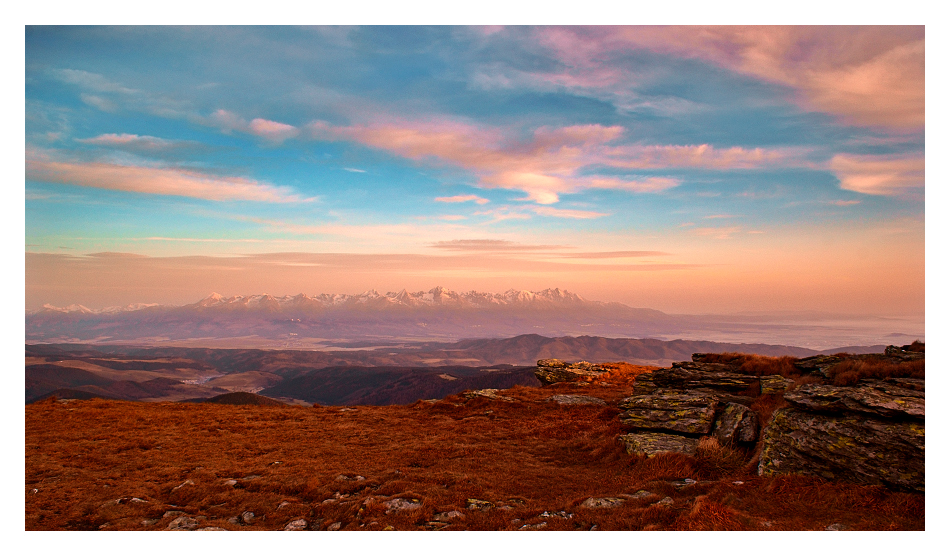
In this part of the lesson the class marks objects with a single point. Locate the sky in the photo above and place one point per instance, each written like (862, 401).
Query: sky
(686, 169)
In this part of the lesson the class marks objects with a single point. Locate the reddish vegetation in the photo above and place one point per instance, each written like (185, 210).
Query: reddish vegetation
(86, 460)
(755, 364)
(848, 373)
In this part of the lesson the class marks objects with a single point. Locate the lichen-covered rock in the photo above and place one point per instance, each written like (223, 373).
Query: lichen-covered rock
(774, 384)
(490, 393)
(670, 410)
(880, 398)
(848, 447)
(552, 371)
(652, 443)
(694, 376)
(817, 363)
(576, 399)
(736, 423)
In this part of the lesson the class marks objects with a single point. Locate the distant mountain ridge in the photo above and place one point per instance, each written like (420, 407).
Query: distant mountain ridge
(290, 321)
(436, 297)
(329, 321)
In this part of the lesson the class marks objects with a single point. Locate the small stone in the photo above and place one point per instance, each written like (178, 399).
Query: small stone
(296, 525)
(665, 502)
(282, 504)
(401, 504)
(183, 523)
(234, 520)
(448, 516)
(598, 503)
(173, 513)
(248, 517)
(836, 527)
(184, 484)
(230, 482)
(738, 482)
(335, 526)
(149, 522)
(211, 529)
(479, 505)
(533, 526)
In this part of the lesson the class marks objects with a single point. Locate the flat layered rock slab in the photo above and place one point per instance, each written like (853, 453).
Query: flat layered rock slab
(576, 399)
(879, 398)
(650, 444)
(670, 410)
(850, 447)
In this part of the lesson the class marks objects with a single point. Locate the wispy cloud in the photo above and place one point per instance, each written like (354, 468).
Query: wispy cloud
(613, 254)
(552, 161)
(568, 213)
(490, 245)
(879, 174)
(462, 199)
(269, 130)
(843, 203)
(717, 233)
(42, 167)
(142, 144)
(356, 170)
(864, 75)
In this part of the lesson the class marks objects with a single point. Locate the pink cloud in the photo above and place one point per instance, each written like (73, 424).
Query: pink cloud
(878, 175)
(867, 75)
(462, 199)
(157, 181)
(549, 163)
(567, 213)
(272, 131)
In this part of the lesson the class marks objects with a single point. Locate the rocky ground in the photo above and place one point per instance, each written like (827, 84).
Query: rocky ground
(525, 458)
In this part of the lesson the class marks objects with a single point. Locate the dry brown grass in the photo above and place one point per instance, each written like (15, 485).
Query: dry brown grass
(526, 457)
(757, 365)
(848, 373)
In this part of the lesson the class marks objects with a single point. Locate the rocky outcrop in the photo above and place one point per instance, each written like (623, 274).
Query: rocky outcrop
(552, 371)
(871, 433)
(668, 410)
(671, 408)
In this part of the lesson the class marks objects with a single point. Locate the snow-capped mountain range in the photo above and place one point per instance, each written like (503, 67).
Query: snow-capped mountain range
(304, 320)
(436, 297)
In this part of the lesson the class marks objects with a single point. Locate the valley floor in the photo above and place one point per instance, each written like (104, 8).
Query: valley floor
(528, 464)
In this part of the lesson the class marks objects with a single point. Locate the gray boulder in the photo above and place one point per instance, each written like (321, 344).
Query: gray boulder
(736, 423)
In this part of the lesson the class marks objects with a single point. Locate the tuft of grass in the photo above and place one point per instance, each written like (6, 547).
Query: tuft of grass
(714, 461)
